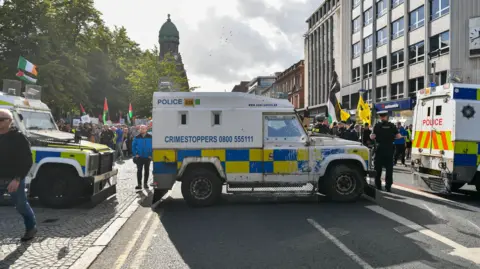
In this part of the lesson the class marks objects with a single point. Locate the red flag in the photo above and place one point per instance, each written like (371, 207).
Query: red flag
(82, 110)
(105, 111)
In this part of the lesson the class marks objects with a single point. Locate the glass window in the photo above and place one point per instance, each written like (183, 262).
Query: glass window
(441, 77)
(416, 53)
(355, 3)
(381, 94)
(439, 8)
(356, 24)
(381, 8)
(367, 70)
(417, 18)
(33, 120)
(381, 65)
(398, 59)
(356, 50)
(356, 74)
(367, 17)
(382, 37)
(414, 85)
(216, 118)
(368, 43)
(183, 119)
(368, 97)
(440, 44)
(346, 102)
(438, 110)
(398, 28)
(284, 127)
(396, 3)
(396, 91)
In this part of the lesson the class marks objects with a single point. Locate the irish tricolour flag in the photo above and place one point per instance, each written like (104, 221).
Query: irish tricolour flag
(27, 66)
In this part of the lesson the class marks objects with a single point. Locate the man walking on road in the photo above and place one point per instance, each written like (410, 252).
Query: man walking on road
(142, 152)
(384, 133)
(15, 162)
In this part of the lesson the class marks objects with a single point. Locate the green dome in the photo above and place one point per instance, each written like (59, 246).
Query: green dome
(168, 32)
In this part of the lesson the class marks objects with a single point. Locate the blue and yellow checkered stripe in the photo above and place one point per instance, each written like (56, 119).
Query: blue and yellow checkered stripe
(466, 94)
(80, 157)
(466, 153)
(235, 160)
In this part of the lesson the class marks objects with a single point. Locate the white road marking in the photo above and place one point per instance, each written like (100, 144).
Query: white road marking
(131, 243)
(473, 224)
(139, 257)
(438, 198)
(340, 245)
(433, 212)
(471, 254)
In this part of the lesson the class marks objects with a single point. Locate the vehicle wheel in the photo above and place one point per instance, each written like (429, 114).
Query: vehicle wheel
(59, 188)
(158, 195)
(344, 183)
(477, 185)
(201, 187)
(454, 187)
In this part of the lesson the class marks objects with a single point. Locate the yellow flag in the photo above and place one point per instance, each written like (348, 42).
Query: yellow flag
(363, 110)
(344, 115)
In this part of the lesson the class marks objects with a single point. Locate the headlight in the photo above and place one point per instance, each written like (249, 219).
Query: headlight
(93, 162)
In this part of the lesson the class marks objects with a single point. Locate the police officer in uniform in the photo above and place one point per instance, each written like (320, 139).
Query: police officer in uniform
(384, 133)
(320, 126)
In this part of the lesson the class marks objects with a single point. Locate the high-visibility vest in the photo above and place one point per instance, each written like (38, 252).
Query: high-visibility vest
(409, 137)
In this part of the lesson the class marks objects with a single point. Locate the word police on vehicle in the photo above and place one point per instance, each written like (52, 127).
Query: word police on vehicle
(247, 141)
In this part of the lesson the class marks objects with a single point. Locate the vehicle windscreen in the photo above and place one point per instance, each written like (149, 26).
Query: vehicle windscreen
(37, 120)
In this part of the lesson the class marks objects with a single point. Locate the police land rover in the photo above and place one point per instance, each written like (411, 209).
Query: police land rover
(252, 144)
(66, 170)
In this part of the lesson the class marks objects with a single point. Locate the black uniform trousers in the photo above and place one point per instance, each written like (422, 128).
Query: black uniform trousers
(143, 164)
(383, 158)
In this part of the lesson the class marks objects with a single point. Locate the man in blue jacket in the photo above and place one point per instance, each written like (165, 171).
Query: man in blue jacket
(142, 152)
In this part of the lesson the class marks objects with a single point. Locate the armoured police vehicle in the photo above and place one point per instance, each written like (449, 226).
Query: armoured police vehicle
(66, 169)
(252, 145)
(446, 138)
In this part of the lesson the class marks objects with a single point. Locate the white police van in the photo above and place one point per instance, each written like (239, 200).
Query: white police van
(446, 138)
(66, 170)
(252, 144)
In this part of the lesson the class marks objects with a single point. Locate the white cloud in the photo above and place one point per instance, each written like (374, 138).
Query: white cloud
(221, 42)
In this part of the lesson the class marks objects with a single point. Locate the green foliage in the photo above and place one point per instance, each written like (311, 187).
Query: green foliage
(79, 59)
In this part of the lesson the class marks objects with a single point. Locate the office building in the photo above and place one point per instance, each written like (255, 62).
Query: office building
(259, 84)
(393, 46)
(322, 54)
(400, 46)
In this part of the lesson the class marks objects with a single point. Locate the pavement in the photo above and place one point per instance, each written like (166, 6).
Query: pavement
(403, 229)
(65, 236)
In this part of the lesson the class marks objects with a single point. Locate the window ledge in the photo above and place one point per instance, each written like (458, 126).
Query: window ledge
(415, 63)
(397, 37)
(439, 17)
(416, 28)
(381, 45)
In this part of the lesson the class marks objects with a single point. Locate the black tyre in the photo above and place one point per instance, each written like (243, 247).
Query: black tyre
(454, 187)
(344, 183)
(477, 185)
(59, 188)
(201, 187)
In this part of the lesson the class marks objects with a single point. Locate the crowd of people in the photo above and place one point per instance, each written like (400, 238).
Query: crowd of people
(361, 133)
(118, 137)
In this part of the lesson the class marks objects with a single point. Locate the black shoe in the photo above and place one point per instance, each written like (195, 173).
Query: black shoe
(379, 188)
(29, 235)
(138, 187)
(145, 186)
(388, 189)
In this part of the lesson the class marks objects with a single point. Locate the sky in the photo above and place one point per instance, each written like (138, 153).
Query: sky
(222, 42)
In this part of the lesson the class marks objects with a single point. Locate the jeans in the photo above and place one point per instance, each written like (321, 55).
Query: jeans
(119, 150)
(19, 200)
(143, 164)
(399, 153)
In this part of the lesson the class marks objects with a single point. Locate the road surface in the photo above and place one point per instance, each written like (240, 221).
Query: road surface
(398, 230)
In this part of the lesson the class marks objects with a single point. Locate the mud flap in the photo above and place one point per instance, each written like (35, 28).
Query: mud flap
(370, 191)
